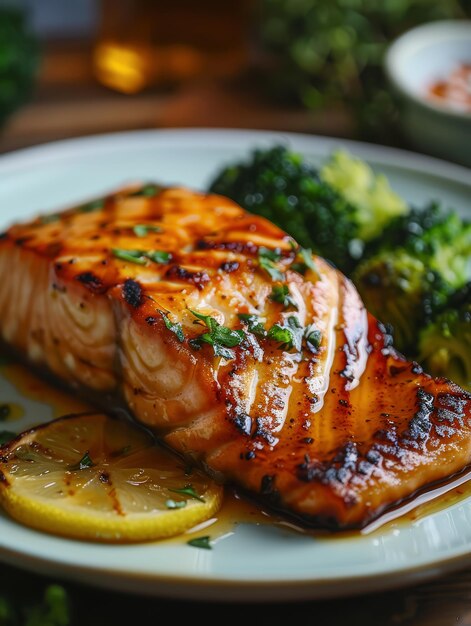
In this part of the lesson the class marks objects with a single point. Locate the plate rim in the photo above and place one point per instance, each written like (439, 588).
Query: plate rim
(200, 586)
(396, 157)
(230, 590)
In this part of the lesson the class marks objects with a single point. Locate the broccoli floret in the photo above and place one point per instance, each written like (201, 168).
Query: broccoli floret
(401, 290)
(281, 186)
(418, 262)
(445, 344)
(375, 202)
(461, 297)
(333, 211)
(406, 229)
(440, 238)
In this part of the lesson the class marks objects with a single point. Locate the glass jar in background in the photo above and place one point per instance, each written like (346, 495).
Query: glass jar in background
(145, 43)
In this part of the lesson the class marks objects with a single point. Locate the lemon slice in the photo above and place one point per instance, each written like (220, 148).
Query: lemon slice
(98, 478)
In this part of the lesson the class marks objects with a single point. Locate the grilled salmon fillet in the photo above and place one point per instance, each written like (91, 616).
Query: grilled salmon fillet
(243, 352)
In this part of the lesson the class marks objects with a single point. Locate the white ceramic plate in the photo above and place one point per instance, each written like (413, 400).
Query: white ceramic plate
(251, 562)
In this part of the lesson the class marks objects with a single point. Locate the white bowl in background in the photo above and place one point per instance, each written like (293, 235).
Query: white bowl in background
(413, 63)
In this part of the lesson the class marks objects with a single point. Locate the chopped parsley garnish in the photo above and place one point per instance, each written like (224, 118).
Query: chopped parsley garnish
(306, 255)
(289, 336)
(267, 259)
(281, 294)
(94, 205)
(142, 230)
(268, 253)
(147, 191)
(305, 261)
(189, 491)
(313, 337)
(174, 504)
(220, 337)
(84, 463)
(175, 327)
(297, 331)
(158, 256)
(140, 257)
(131, 256)
(5, 411)
(6, 436)
(201, 542)
(253, 323)
(280, 334)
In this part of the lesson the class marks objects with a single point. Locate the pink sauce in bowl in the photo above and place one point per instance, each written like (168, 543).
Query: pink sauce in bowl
(454, 91)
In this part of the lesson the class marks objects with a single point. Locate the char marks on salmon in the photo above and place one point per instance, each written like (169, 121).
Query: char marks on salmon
(248, 356)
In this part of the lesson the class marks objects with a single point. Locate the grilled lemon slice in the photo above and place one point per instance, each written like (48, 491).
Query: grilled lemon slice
(98, 478)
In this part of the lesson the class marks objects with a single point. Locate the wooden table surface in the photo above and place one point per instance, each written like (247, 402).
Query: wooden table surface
(443, 602)
(69, 103)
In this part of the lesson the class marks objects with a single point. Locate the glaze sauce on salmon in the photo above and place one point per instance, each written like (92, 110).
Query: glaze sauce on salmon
(242, 352)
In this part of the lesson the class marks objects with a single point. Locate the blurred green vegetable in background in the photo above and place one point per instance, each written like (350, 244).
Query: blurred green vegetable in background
(329, 52)
(334, 211)
(19, 56)
(376, 203)
(50, 609)
(445, 343)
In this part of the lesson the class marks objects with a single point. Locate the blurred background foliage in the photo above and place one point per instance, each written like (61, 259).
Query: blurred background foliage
(312, 54)
(322, 53)
(19, 58)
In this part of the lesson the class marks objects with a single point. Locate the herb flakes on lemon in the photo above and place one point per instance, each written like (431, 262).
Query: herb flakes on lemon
(95, 477)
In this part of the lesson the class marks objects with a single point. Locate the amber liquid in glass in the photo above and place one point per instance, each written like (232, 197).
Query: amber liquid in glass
(144, 43)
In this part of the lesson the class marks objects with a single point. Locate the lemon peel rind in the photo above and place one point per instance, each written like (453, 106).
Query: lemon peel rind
(83, 522)
(120, 529)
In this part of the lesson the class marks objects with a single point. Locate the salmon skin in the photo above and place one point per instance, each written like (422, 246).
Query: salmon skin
(244, 353)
